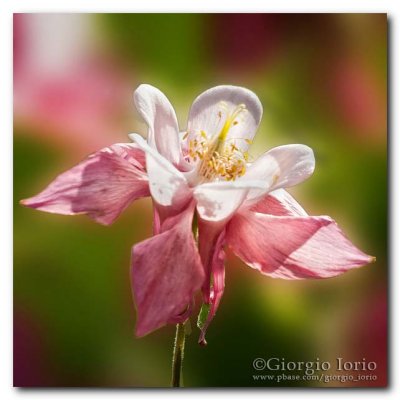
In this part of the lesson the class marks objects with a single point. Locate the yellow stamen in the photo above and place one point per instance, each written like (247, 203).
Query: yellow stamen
(275, 179)
(220, 158)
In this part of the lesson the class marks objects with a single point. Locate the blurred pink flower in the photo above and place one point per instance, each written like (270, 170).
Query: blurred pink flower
(246, 42)
(238, 203)
(367, 336)
(64, 88)
(32, 365)
(358, 98)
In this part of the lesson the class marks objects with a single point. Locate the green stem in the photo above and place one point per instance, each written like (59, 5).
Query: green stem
(177, 357)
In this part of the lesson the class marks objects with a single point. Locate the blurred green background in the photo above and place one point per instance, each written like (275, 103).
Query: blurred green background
(322, 79)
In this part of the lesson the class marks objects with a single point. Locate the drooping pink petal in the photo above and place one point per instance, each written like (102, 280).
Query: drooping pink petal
(281, 167)
(211, 109)
(158, 113)
(166, 272)
(218, 201)
(156, 219)
(278, 202)
(101, 186)
(208, 237)
(211, 242)
(168, 186)
(293, 247)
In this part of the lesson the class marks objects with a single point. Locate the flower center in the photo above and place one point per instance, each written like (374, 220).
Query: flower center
(219, 157)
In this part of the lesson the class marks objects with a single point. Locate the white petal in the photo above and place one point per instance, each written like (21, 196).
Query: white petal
(158, 113)
(283, 166)
(168, 186)
(210, 109)
(218, 201)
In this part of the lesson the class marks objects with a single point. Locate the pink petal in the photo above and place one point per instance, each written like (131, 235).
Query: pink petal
(211, 242)
(211, 108)
(157, 111)
(278, 202)
(293, 247)
(166, 272)
(101, 186)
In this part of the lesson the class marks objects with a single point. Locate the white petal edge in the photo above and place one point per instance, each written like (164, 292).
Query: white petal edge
(281, 167)
(159, 115)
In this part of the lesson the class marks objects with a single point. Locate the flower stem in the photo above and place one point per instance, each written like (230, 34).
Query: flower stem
(177, 356)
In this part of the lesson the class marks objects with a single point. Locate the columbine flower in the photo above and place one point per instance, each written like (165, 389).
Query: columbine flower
(206, 169)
